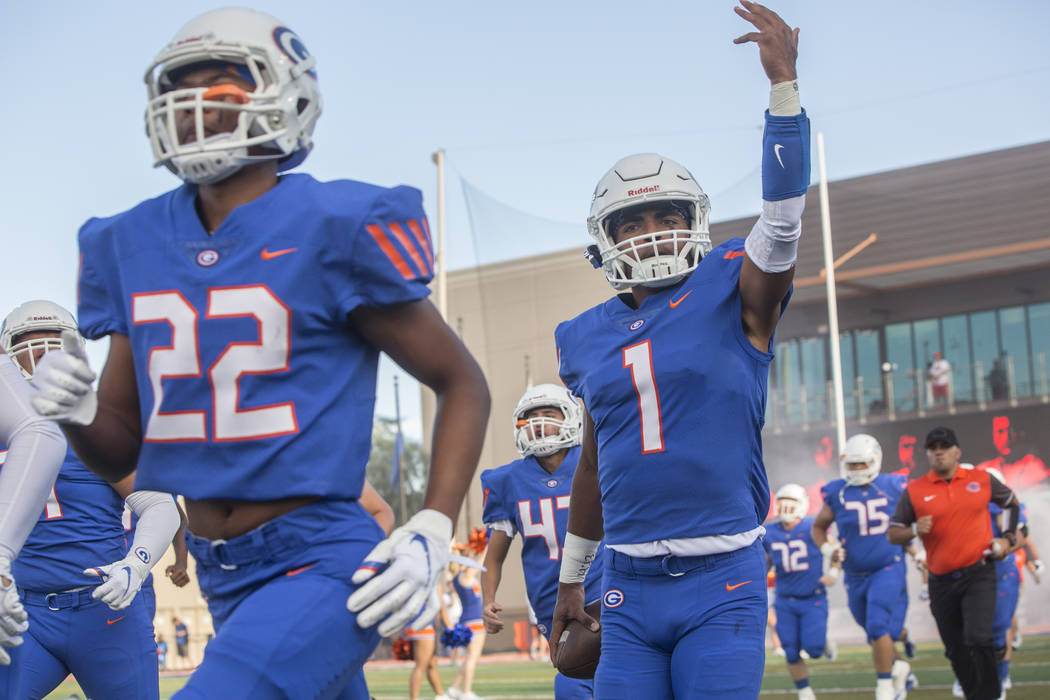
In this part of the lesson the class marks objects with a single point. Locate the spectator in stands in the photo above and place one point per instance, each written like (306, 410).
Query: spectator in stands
(939, 376)
(997, 380)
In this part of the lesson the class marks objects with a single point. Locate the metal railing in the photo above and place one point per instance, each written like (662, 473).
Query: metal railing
(971, 387)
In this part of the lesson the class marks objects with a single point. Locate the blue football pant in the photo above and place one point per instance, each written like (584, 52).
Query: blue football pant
(1008, 590)
(879, 600)
(566, 688)
(802, 623)
(277, 596)
(683, 627)
(111, 653)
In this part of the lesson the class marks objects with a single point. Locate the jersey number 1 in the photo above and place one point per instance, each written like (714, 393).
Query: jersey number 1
(639, 359)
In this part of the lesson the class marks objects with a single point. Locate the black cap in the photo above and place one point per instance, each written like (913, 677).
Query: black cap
(942, 435)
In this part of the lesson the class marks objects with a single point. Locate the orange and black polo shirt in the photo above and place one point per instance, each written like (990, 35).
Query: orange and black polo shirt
(962, 526)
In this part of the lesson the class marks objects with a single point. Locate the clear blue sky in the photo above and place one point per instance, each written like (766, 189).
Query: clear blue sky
(532, 101)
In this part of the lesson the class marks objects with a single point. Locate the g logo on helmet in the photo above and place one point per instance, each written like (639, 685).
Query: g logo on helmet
(613, 598)
(292, 46)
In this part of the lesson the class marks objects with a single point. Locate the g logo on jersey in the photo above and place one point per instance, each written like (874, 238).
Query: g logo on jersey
(207, 258)
(613, 598)
(551, 483)
(143, 554)
(541, 627)
(637, 324)
(292, 46)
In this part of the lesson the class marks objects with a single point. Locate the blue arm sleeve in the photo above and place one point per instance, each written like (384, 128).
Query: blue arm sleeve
(785, 157)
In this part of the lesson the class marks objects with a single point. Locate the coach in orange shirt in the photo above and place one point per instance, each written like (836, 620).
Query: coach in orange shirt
(948, 509)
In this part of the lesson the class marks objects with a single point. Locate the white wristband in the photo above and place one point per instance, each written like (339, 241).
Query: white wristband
(915, 529)
(577, 555)
(783, 99)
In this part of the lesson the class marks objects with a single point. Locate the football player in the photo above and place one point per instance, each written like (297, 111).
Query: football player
(246, 311)
(102, 634)
(861, 504)
(1007, 589)
(530, 497)
(673, 375)
(35, 449)
(801, 598)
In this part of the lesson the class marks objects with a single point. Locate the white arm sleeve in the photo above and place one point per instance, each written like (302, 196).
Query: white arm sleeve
(157, 524)
(773, 242)
(35, 451)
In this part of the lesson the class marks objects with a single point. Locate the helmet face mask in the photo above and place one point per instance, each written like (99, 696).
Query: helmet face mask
(861, 449)
(275, 120)
(792, 503)
(658, 258)
(541, 436)
(35, 317)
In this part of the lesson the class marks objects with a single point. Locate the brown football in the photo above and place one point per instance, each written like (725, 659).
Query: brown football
(579, 648)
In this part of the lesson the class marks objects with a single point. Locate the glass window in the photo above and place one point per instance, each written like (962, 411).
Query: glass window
(1039, 336)
(869, 370)
(849, 382)
(1013, 333)
(815, 378)
(788, 409)
(985, 344)
(899, 355)
(927, 342)
(957, 351)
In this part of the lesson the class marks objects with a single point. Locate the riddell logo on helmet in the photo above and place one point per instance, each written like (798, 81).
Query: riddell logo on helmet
(42, 318)
(645, 190)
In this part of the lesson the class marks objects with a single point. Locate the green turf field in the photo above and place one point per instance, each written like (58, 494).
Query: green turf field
(1030, 670)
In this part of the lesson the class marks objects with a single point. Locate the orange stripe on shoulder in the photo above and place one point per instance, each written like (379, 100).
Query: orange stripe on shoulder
(388, 248)
(413, 252)
(733, 254)
(424, 239)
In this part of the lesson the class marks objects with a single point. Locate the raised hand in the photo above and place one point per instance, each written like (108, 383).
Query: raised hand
(777, 41)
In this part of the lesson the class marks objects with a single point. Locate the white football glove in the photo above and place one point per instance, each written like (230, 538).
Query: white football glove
(13, 618)
(121, 581)
(62, 380)
(402, 573)
(1038, 568)
(920, 558)
(924, 592)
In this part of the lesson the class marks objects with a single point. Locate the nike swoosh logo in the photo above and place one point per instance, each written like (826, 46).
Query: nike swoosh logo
(674, 304)
(270, 255)
(929, 498)
(300, 570)
(110, 622)
(776, 151)
(736, 586)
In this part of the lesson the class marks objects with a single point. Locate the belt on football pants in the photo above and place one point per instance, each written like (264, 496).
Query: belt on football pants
(261, 544)
(669, 565)
(57, 601)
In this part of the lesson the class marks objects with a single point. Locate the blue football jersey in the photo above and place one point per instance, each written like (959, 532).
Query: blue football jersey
(863, 514)
(1003, 565)
(677, 393)
(251, 383)
(537, 502)
(79, 528)
(796, 557)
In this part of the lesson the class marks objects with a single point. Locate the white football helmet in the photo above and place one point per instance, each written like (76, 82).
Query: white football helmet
(649, 178)
(32, 317)
(792, 503)
(529, 436)
(860, 448)
(277, 118)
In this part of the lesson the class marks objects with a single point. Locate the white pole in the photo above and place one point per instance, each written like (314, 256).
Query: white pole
(439, 256)
(833, 305)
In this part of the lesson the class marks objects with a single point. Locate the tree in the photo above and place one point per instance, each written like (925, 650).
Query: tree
(414, 464)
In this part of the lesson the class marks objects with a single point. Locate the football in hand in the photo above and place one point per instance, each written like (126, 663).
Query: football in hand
(579, 648)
